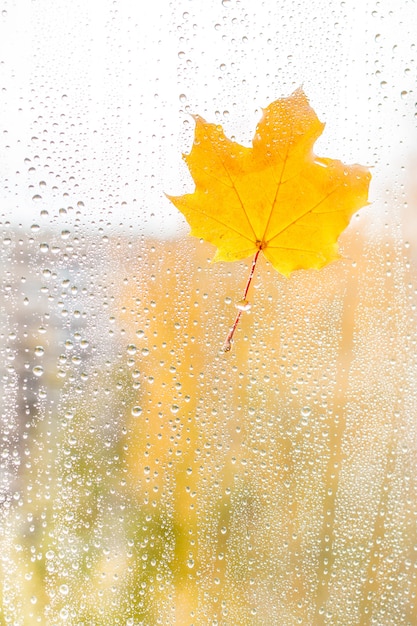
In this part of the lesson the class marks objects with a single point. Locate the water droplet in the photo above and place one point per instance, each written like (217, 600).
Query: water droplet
(306, 411)
(243, 305)
(39, 350)
(38, 370)
(63, 590)
(131, 349)
(136, 411)
(175, 408)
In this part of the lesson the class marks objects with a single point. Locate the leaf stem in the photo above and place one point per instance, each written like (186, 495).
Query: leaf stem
(228, 343)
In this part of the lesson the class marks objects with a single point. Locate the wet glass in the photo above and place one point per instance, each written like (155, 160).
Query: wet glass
(147, 477)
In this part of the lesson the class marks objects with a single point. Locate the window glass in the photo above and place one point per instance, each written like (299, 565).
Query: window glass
(147, 477)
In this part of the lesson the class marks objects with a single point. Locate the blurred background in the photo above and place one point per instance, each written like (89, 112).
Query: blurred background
(146, 477)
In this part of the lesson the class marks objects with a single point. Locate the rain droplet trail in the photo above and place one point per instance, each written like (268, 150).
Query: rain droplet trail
(242, 305)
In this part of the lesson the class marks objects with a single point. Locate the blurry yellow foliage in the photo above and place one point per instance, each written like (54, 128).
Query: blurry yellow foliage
(255, 458)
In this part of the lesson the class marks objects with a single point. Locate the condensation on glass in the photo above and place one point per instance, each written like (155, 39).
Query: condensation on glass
(146, 476)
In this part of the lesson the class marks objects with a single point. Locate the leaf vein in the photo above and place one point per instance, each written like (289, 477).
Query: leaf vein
(227, 226)
(234, 188)
(300, 217)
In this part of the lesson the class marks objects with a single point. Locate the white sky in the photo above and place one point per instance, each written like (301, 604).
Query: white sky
(95, 94)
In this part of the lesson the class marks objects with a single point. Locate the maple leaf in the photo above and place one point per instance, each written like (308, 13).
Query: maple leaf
(276, 197)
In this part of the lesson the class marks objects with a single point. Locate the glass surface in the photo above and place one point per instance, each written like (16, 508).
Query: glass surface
(146, 477)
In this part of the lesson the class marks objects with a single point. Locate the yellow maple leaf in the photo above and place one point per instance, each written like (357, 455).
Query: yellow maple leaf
(276, 197)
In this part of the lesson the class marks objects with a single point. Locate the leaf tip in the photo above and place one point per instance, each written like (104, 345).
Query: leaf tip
(299, 92)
